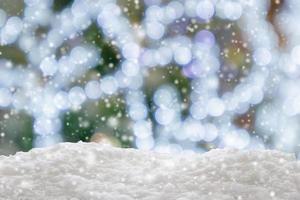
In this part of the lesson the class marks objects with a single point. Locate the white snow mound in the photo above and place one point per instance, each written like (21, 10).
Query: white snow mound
(92, 171)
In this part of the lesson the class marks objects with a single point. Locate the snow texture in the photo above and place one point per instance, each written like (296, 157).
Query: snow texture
(93, 171)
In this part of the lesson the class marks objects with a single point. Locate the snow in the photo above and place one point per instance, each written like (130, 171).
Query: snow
(94, 171)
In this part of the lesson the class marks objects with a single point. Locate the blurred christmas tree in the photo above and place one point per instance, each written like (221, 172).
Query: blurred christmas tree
(163, 75)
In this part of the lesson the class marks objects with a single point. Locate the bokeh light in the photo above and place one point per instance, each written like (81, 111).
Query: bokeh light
(162, 75)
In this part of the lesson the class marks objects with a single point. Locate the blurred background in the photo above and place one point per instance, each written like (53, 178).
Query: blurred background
(108, 119)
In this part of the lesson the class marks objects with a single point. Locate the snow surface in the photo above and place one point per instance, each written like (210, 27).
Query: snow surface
(93, 171)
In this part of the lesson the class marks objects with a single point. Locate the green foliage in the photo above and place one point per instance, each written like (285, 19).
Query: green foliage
(17, 129)
(107, 116)
(59, 5)
(109, 54)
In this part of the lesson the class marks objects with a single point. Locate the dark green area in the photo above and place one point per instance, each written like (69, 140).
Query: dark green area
(13, 54)
(171, 75)
(17, 130)
(94, 118)
(59, 5)
(109, 53)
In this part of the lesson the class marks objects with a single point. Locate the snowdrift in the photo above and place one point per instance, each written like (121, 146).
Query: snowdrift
(92, 171)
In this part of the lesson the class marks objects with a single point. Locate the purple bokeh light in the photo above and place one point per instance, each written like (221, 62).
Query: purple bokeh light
(205, 37)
